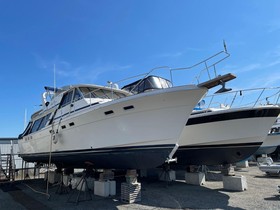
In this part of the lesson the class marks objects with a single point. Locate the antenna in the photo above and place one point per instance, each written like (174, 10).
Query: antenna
(225, 46)
(25, 117)
(54, 82)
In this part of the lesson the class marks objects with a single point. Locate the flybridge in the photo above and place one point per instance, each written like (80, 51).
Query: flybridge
(207, 76)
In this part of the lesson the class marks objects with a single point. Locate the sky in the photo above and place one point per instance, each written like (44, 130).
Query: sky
(90, 41)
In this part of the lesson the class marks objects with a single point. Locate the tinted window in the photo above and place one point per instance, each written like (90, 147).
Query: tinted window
(36, 125)
(44, 121)
(66, 99)
(87, 92)
(77, 95)
(103, 93)
(40, 123)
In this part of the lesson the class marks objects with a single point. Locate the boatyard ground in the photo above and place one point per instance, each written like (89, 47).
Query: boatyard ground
(261, 194)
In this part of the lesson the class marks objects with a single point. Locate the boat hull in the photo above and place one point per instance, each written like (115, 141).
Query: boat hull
(138, 131)
(269, 145)
(112, 158)
(224, 137)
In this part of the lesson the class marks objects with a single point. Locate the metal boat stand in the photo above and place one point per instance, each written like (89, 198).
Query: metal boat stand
(165, 174)
(63, 188)
(81, 184)
(227, 170)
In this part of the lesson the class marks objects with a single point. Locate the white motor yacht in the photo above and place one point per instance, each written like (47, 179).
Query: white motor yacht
(107, 127)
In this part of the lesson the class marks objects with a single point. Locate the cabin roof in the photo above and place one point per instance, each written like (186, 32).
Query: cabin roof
(68, 87)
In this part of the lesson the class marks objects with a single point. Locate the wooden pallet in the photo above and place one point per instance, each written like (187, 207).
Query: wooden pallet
(130, 193)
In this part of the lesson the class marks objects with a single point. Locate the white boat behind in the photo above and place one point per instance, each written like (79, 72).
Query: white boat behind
(224, 135)
(272, 140)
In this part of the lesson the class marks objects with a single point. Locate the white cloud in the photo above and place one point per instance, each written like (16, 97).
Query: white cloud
(272, 79)
(273, 63)
(81, 74)
(273, 26)
(248, 68)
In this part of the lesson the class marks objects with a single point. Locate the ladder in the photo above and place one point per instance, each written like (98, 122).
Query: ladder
(7, 166)
(3, 166)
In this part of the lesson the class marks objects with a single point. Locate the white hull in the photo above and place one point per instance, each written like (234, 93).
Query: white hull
(156, 120)
(270, 144)
(237, 131)
(271, 140)
(225, 136)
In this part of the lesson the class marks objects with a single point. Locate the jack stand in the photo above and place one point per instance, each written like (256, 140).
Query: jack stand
(195, 175)
(63, 188)
(167, 174)
(232, 182)
(82, 183)
(227, 170)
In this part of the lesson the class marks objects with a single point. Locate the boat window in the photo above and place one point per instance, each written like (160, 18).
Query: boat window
(87, 92)
(40, 123)
(103, 93)
(165, 83)
(67, 98)
(77, 95)
(26, 131)
(149, 83)
(36, 125)
(44, 121)
(119, 95)
(108, 94)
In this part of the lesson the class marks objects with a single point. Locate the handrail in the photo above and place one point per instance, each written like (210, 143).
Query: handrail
(206, 66)
(255, 96)
(206, 62)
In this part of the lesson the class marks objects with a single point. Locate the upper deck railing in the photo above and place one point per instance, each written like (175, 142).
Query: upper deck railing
(206, 70)
(243, 98)
(208, 66)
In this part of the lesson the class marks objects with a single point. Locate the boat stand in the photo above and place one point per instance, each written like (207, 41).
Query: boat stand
(63, 187)
(83, 185)
(227, 170)
(195, 175)
(167, 175)
(231, 181)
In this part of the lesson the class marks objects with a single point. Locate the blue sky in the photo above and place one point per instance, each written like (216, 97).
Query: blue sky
(92, 41)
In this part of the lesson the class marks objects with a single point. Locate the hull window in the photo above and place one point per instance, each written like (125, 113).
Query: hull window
(109, 112)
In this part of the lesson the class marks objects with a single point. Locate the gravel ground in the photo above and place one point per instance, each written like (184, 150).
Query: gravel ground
(261, 194)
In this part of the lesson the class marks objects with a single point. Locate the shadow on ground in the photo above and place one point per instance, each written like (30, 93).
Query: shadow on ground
(154, 195)
(179, 195)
